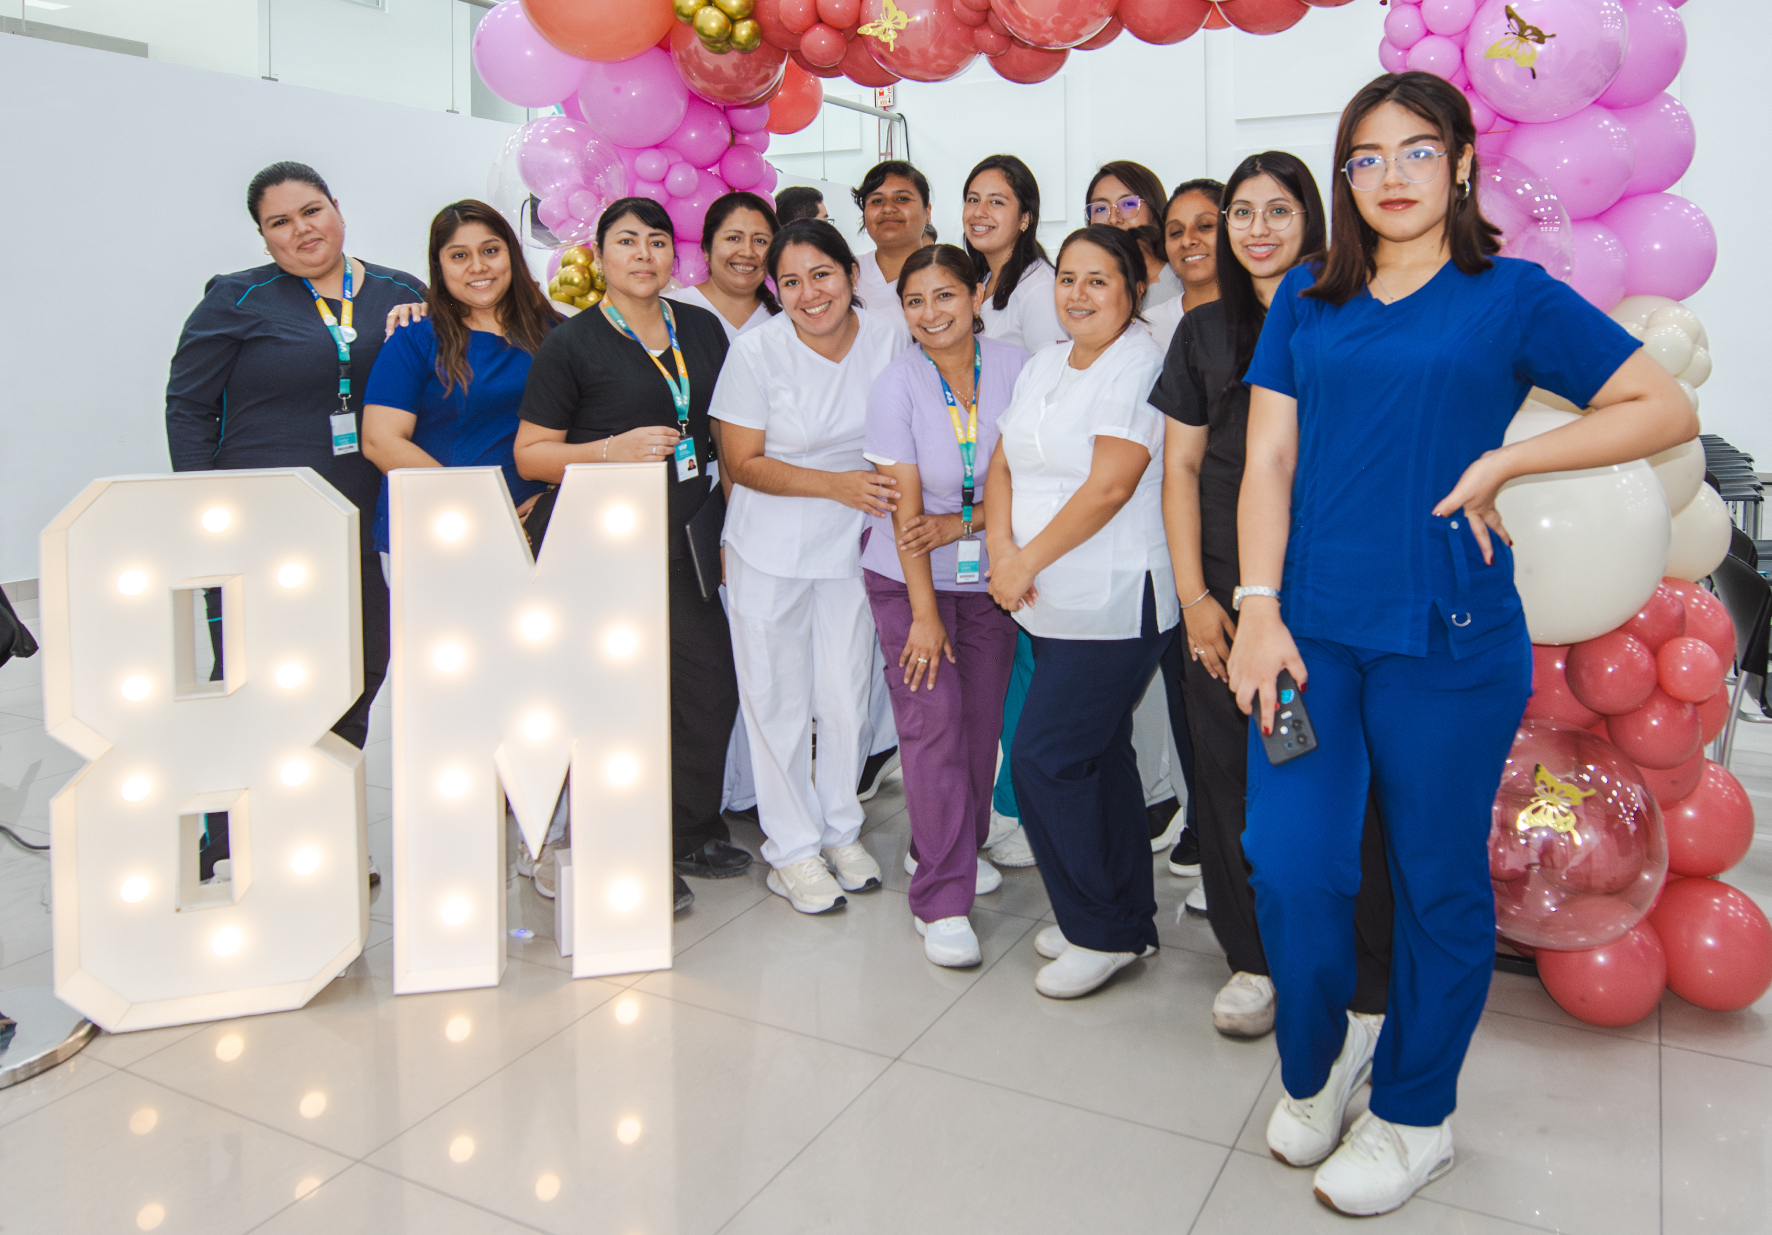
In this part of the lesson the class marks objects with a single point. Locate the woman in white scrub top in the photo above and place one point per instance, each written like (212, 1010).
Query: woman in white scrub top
(1002, 225)
(735, 238)
(1128, 196)
(894, 202)
(793, 400)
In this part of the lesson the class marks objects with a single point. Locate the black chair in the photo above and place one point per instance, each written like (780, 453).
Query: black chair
(1743, 546)
(1747, 596)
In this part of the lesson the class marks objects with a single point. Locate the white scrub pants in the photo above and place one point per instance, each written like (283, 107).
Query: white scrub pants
(739, 790)
(1152, 745)
(881, 732)
(803, 649)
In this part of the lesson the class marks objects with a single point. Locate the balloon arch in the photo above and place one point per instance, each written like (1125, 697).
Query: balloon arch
(1611, 824)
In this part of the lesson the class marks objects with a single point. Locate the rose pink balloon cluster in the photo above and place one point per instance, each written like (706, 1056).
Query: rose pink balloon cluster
(1574, 94)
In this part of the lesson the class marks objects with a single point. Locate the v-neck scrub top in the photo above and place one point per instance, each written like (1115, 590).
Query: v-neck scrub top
(698, 298)
(1096, 591)
(1030, 319)
(813, 414)
(1394, 402)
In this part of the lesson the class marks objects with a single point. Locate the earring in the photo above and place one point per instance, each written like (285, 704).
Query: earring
(1464, 187)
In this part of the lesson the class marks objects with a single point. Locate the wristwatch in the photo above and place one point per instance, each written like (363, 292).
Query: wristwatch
(1237, 596)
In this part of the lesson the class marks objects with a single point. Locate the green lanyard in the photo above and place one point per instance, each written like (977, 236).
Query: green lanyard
(966, 435)
(680, 384)
(342, 335)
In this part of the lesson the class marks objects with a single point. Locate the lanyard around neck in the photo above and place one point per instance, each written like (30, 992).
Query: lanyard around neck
(680, 384)
(966, 435)
(343, 335)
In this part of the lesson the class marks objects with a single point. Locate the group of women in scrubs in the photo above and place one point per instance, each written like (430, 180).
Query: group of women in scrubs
(1217, 437)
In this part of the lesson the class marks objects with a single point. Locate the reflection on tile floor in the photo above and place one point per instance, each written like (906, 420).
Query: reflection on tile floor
(816, 1074)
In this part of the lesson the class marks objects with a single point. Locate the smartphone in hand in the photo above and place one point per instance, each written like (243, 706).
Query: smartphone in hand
(1293, 734)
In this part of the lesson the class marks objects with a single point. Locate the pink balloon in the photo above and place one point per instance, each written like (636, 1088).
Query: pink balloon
(753, 141)
(1436, 54)
(704, 134)
(520, 66)
(1657, 50)
(551, 154)
(1671, 243)
(1611, 674)
(1393, 58)
(1403, 26)
(1662, 617)
(1669, 785)
(1615, 984)
(553, 209)
(748, 119)
(654, 189)
(1054, 24)
(691, 267)
(682, 180)
(1448, 17)
(1601, 265)
(933, 45)
(1665, 140)
(1586, 159)
(586, 205)
(741, 167)
(1662, 733)
(1689, 669)
(1482, 115)
(652, 165)
(1718, 942)
(766, 186)
(687, 212)
(637, 102)
(1534, 224)
(1567, 72)
(1551, 698)
(1712, 827)
(739, 78)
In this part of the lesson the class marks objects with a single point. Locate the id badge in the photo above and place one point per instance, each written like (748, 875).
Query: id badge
(344, 433)
(687, 467)
(966, 559)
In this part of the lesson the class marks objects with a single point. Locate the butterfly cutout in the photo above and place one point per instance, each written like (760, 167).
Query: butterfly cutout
(1553, 805)
(1520, 44)
(892, 19)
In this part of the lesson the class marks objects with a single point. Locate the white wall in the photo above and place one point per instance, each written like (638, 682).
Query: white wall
(125, 190)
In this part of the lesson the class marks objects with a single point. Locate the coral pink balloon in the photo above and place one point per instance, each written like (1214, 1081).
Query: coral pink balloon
(1263, 16)
(518, 64)
(1576, 850)
(1586, 158)
(840, 14)
(1551, 698)
(971, 17)
(1391, 58)
(1671, 243)
(1689, 669)
(1164, 21)
(1569, 71)
(823, 45)
(796, 104)
(817, 70)
(933, 46)
(732, 79)
(1719, 944)
(1448, 17)
(1662, 733)
(1665, 140)
(859, 66)
(1435, 54)
(771, 15)
(1611, 674)
(1107, 34)
(1669, 785)
(1053, 24)
(1662, 617)
(991, 41)
(1616, 984)
(635, 103)
(1403, 26)
(1705, 617)
(1712, 827)
(1713, 715)
(798, 15)
(1022, 63)
(1657, 50)
(602, 30)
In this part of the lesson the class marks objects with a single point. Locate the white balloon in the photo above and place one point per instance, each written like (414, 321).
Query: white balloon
(1589, 547)
(1698, 372)
(1637, 310)
(1680, 471)
(1677, 315)
(1532, 420)
(1701, 533)
(1551, 399)
(1690, 389)
(1669, 346)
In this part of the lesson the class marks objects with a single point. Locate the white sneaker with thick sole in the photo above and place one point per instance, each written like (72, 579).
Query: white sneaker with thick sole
(1012, 850)
(1051, 943)
(1001, 826)
(1244, 1006)
(949, 942)
(1304, 1131)
(854, 867)
(1381, 1165)
(807, 885)
(1196, 901)
(989, 877)
(1079, 970)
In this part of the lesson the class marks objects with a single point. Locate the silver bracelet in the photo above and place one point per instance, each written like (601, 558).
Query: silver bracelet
(1196, 600)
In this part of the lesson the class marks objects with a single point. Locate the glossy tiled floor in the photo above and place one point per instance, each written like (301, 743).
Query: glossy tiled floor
(815, 1074)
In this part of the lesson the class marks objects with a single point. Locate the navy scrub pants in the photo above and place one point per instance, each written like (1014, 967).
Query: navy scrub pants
(1430, 735)
(1077, 783)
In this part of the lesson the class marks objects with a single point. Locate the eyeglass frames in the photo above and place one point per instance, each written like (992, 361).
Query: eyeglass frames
(1417, 165)
(1240, 216)
(1126, 207)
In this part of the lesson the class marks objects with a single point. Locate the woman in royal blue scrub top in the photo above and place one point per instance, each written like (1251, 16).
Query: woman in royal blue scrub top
(1375, 567)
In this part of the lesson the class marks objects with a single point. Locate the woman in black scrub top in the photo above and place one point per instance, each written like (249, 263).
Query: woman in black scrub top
(271, 366)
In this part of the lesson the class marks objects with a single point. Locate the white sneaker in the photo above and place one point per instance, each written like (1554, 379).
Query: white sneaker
(1051, 943)
(808, 886)
(1013, 849)
(1303, 1131)
(1196, 901)
(854, 867)
(1001, 826)
(949, 942)
(1079, 970)
(1244, 1006)
(1381, 1165)
(989, 877)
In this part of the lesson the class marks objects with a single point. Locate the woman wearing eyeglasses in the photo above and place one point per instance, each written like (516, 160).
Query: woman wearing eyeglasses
(1375, 569)
(1129, 196)
(1273, 219)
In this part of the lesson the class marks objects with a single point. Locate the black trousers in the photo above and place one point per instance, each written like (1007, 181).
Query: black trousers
(1173, 667)
(1220, 736)
(704, 705)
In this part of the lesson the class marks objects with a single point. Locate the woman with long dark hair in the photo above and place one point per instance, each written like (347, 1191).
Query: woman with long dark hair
(1273, 220)
(1375, 570)
(735, 236)
(1130, 196)
(1190, 241)
(1001, 225)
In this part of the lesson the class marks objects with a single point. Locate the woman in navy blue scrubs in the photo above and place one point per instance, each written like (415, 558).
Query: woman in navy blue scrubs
(1376, 569)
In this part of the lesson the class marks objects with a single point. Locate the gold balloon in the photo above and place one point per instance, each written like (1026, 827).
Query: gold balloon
(747, 35)
(686, 10)
(713, 25)
(736, 9)
(597, 279)
(584, 302)
(577, 255)
(573, 280)
(718, 49)
(555, 293)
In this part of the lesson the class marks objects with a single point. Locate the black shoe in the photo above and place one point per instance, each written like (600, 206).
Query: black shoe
(874, 771)
(683, 896)
(1184, 859)
(714, 860)
(1159, 814)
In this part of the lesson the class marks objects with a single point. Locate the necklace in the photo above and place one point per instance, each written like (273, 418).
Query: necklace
(1391, 297)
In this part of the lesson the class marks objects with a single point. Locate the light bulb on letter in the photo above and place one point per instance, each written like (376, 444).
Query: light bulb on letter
(294, 772)
(135, 789)
(624, 894)
(621, 642)
(451, 526)
(622, 770)
(536, 625)
(449, 657)
(134, 890)
(136, 688)
(619, 519)
(291, 676)
(305, 861)
(455, 911)
(226, 941)
(537, 725)
(453, 783)
(292, 575)
(216, 519)
(132, 582)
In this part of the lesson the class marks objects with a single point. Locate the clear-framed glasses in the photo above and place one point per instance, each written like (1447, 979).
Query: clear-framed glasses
(1125, 207)
(1241, 216)
(1417, 165)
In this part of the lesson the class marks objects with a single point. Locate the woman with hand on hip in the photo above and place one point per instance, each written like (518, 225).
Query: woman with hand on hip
(1129, 196)
(932, 426)
(735, 238)
(1375, 570)
(793, 402)
(1075, 531)
(1273, 220)
(894, 202)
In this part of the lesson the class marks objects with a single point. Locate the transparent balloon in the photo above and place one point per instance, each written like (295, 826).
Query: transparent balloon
(1577, 849)
(1534, 223)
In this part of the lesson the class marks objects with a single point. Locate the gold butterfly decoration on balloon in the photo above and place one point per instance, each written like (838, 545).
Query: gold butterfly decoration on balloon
(892, 19)
(1520, 44)
(1553, 805)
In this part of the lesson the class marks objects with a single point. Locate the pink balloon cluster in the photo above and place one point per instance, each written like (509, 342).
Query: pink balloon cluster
(1573, 94)
(680, 126)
